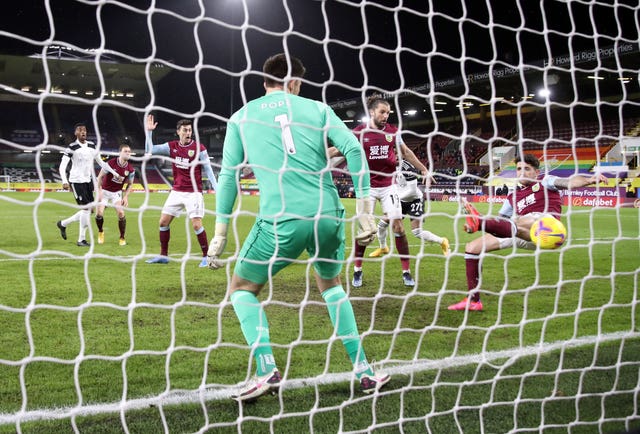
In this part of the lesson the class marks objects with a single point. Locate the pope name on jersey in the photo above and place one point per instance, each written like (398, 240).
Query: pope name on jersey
(380, 148)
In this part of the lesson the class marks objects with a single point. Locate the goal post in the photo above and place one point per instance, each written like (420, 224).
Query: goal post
(96, 338)
(5, 182)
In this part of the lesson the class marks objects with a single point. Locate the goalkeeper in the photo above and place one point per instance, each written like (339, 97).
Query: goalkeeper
(283, 138)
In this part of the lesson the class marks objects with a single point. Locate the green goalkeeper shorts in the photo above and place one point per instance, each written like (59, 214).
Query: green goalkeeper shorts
(270, 247)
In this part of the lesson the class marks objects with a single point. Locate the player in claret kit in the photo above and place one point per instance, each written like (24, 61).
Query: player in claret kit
(188, 160)
(82, 154)
(383, 146)
(530, 200)
(283, 138)
(110, 191)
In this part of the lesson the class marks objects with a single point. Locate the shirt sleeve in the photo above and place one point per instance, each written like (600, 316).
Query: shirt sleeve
(208, 171)
(349, 146)
(63, 168)
(232, 159)
(150, 148)
(104, 166)
(549, 182)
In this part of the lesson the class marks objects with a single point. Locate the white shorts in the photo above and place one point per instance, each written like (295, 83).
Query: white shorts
(112, 198)
(179, 201)
(389, 200)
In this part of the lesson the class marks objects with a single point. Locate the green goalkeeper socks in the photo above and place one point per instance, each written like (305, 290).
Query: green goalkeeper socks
(344, 322)
(255, 328)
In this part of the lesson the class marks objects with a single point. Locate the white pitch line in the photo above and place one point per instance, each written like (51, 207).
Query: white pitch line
(212, 394)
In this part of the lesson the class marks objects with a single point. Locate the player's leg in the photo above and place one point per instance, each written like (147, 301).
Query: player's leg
(103, 200)
(383, 249)
(328, 266)
(402, 247)
(392, 207)
(383, 225)
(122, 222)
(252, 271)
(100, 222)
(497, 226)
(172, 208)
(195, 210)
(523, 224)
(415, 211)
(84, 197)
(359, 250)
(472, 257)
(64, 223)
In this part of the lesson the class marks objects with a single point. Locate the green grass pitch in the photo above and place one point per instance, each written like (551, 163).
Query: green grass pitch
(95, 330)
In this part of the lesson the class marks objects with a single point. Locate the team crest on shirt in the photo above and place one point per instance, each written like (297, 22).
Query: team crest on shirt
(535, 187)
(389, 137)
(126, 173)
(191, 153)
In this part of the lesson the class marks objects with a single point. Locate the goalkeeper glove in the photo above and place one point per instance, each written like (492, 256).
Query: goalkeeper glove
(368, 228)
(216, 246)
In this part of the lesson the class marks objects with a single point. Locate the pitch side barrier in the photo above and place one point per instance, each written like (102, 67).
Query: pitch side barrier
(604, 197)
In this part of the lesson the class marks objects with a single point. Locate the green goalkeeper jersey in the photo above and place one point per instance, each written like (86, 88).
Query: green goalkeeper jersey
(283, 138)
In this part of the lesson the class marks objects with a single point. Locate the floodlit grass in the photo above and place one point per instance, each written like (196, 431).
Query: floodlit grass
(100, 326)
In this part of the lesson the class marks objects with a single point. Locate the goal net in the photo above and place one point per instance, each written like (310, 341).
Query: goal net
(96, 339)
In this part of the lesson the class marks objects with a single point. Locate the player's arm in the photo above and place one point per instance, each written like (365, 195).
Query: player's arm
(127, 189)
(105, 167)
(64, 163)
(410, 156)
(227, 191)
(349, 146)
(208, 170)
(577, 181)
(149, 147)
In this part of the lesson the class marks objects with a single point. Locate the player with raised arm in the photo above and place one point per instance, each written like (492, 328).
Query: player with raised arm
(110, 191)
(82, 154)
(531, 199)
(381, 142)
(283, 138)
(188, 160)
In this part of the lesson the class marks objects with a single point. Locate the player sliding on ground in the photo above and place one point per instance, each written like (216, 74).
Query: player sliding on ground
(282, 137)
(532, 199)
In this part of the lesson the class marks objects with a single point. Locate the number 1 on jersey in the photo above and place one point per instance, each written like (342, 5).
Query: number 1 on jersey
(287, 138)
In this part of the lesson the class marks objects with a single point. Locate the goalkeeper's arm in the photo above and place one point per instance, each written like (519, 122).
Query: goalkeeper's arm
(367, 224)
(216, 246)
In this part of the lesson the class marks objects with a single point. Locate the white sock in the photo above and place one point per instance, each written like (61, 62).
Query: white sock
(426, 235)
(85, 216)
(382, 233)
(72, 219)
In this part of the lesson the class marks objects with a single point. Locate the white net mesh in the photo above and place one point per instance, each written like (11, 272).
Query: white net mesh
(97, 339)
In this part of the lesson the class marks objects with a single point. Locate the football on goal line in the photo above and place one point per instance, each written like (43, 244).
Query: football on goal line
(548, 232)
